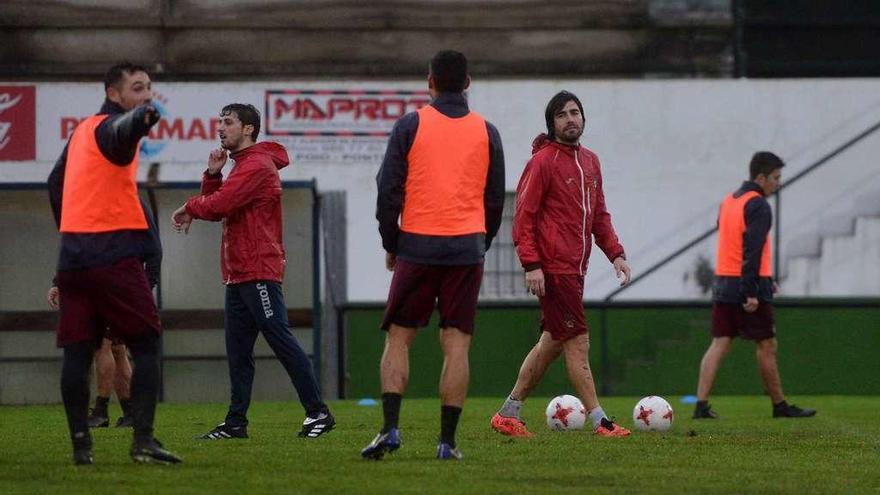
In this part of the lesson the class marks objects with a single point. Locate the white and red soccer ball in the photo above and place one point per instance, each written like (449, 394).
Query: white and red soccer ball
(566, 412)
(653, 413)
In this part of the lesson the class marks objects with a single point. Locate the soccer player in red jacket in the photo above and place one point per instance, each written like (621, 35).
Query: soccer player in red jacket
(252, 264)
(560, 208)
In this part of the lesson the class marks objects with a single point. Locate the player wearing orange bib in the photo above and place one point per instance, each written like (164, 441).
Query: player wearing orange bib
(743, 290)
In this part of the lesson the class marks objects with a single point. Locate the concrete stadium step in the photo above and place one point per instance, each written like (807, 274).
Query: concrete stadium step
(846, 265)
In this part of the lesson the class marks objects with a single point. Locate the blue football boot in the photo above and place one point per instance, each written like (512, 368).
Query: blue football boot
(446, 452)
(384, 442)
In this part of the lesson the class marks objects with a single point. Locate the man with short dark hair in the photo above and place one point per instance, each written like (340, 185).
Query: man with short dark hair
(560, 208)
(743, 290)
(443, 180)
(248, 203)
(104, 240)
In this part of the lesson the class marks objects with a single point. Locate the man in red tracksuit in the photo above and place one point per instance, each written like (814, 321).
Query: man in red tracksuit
(252, 263)
(560, 207)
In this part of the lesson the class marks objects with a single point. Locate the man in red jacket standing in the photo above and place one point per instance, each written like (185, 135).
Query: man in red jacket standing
(560, 206)
(252, 264)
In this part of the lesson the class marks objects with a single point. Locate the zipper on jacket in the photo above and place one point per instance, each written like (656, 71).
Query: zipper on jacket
(584, 207)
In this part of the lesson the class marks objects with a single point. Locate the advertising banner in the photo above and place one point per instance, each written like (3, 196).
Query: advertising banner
(320, 124)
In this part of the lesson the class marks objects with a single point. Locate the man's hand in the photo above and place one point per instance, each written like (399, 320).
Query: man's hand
(535, 282)
(775, 287)
(621, 267)
(151, 115)
(216, 161)
(181, 220)
(751, 304)
(390, 261)
(52, 298)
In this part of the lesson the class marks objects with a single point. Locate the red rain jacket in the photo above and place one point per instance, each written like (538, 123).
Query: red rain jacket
(249, 204)
(560, 206)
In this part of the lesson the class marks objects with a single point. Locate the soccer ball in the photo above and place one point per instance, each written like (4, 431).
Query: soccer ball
(566, 412)
(652, 413)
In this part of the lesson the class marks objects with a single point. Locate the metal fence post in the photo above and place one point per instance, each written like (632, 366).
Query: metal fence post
(603, 348)
(777, 235)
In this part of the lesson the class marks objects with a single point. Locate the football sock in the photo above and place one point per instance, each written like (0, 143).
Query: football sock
(596, 416)
(702, 404)
(144, 385)
(448, 423)
(101, 405)
(126, 407)
(75, 390)
(391, 410)
(511, 408)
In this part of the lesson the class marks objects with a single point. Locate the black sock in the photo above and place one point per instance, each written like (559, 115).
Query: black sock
(144, 385)
(702, 404)
(126, 407)
(780, 405)
(391, 410)
(101, 405)
(75, 390)
(448, 423)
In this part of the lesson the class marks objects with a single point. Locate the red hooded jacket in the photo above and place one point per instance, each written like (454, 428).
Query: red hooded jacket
(249, 204)
(559, 204)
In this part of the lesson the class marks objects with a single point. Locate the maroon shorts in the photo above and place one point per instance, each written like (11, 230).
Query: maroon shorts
(562, 307)
(116, 296)
(731, 320)
(417, 288)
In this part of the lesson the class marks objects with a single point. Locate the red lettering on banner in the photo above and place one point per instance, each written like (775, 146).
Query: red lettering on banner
(339, 105)
(310, 110)
(197, 129)
(164, 130)
(68, 124)
(338, 113)
(369, 107)
(184, 131)
(18, 123)
(281, 107)
(388, 108)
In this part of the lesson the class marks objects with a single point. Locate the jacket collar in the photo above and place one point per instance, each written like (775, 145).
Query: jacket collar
(751, 186)
(110, 108)
(238, 155)
(451, 104)
(542, 141)
(570, 149)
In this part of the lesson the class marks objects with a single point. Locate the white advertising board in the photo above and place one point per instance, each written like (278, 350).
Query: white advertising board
(669, 150)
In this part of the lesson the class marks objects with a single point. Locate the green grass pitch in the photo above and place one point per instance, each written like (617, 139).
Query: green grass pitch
(745, 451)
